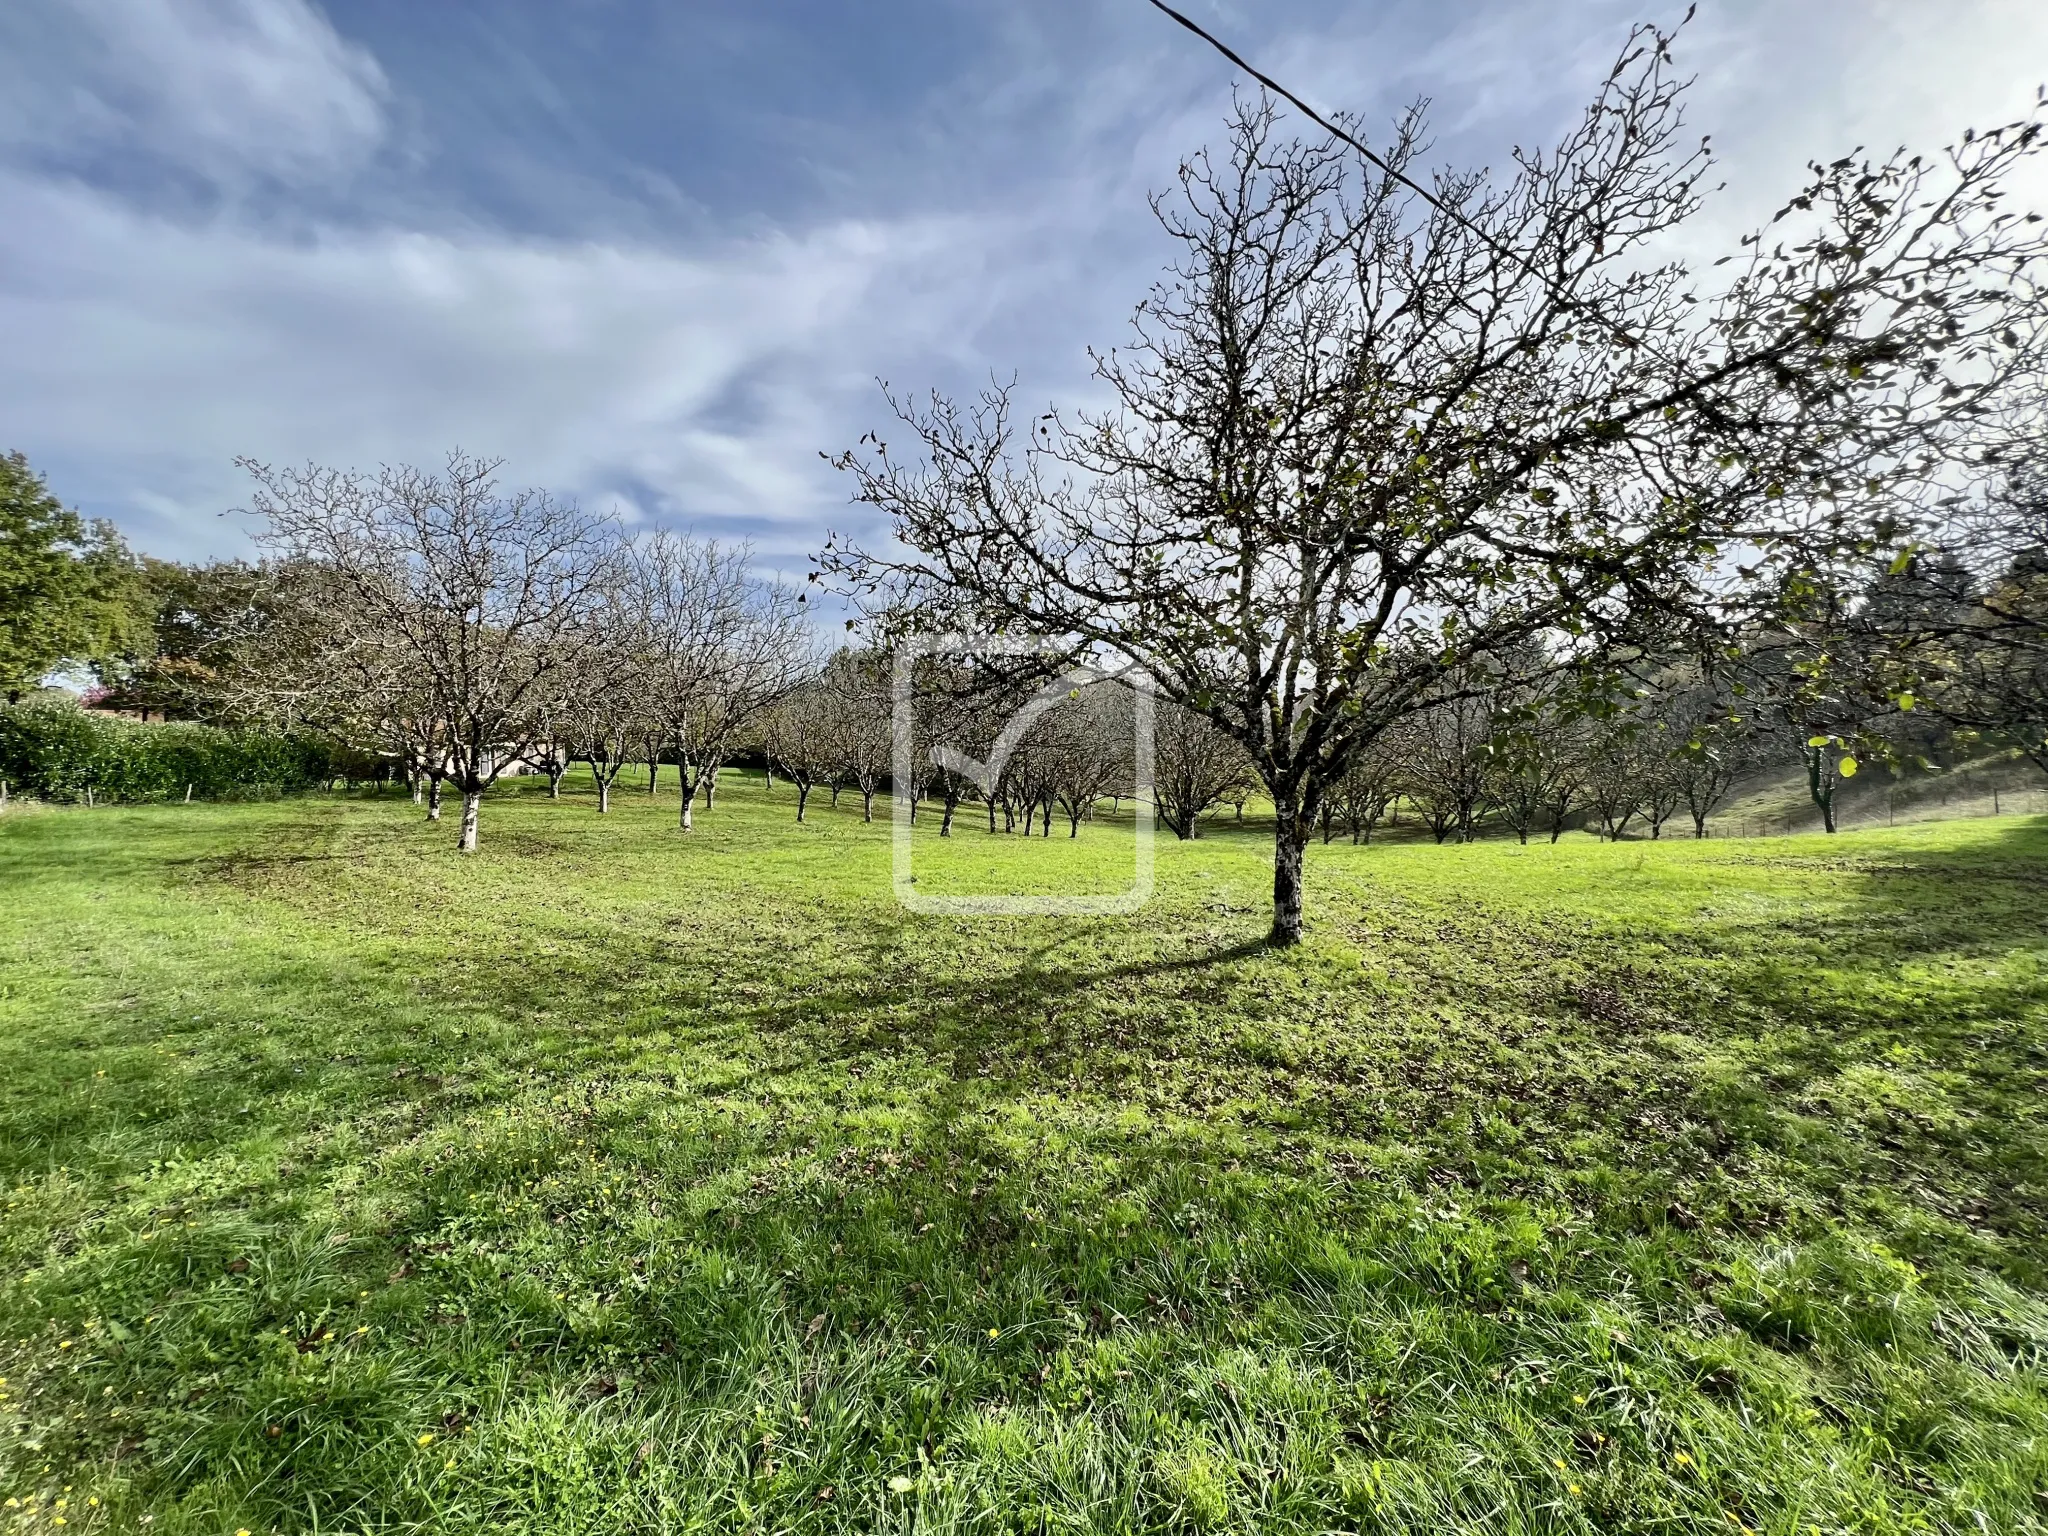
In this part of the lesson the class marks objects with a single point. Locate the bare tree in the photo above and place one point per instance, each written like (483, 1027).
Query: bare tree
(1616, 773)
(856, 687)
(798, 736)
(1369, 788)
(1090, 747)
(722, 649)
(1194, 766)
(1364, 438)
(1448, 759)
(1707, 766)
(1536, 771)
(479, 597)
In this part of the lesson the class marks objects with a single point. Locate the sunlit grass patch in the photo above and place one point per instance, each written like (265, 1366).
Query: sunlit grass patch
(618, 1179)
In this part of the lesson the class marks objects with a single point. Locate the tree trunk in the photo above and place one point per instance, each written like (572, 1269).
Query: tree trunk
(1819, 786)
(946, 820)
(1287, 858)
(604, 796)
(803, 793)
(653, 775)
(867, 805)
(710, 788)
(434, 800)
(688, 798)
(471, 800)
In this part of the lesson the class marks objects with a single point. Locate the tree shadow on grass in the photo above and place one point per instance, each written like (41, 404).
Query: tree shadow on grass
(800, 1220)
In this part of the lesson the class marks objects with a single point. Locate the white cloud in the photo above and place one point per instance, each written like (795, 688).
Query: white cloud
(695, 380)
(149, 352)
(229, 91)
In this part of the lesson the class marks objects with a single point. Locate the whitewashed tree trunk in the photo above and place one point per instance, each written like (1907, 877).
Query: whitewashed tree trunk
(471, 800)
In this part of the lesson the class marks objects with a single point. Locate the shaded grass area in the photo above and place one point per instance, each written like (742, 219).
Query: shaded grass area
(618, 1179)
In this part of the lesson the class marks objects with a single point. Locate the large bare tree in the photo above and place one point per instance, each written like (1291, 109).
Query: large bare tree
(468, 602)
(1367, 437)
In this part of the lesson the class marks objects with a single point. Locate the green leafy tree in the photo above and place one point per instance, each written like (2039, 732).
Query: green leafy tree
(66, 586)
(188, 622)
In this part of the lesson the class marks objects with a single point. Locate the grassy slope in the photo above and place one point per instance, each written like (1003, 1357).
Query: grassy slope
(689, 1184)
(1778, 801)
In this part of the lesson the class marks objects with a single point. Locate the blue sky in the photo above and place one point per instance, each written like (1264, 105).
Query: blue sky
(655, 254)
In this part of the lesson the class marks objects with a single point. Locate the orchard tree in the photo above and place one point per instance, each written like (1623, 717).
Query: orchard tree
(799, 740)
(474, 602)
(1537, 766)
(1375, 427)
(1447, 760)
(1090, 744)
(1712, 739)
(1194, 766)
(859, 722)
(1957, 631)
(722, 649)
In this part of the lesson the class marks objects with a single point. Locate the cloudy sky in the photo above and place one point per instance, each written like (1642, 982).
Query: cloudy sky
(655, 253)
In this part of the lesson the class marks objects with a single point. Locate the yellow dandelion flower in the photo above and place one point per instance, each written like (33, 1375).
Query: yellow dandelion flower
(1682, 1459)
(995, 1333)
(426, 1440)
(1557, 1462)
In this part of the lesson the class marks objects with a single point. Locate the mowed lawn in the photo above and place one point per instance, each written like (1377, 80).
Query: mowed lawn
(619, 1179)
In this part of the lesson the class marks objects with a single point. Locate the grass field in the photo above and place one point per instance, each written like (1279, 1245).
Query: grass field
(617, 1180)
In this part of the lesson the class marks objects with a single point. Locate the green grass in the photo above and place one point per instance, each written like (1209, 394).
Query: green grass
(687, 1183)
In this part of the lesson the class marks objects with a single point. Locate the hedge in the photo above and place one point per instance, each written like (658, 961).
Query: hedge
(60, 752)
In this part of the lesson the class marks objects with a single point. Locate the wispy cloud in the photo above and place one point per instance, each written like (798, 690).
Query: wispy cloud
(228, 226)
(223, 94)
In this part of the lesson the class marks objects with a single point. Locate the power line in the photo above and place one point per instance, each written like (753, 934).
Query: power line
(1336, 131)
(1325, 124)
